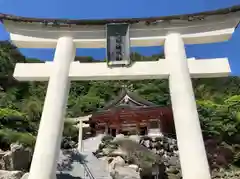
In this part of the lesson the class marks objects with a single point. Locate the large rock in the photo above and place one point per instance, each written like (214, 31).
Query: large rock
(118, 161)
(135, 138)
(174, 161)
(65, 159)
(172, 170)
(124, 172)
(219, 154)
(119, 137)
(147, 143)
(10, 174)
(133, 166)
(174, 176)
(68, 143)
(226, 174)
(18, 158)
(119, 152)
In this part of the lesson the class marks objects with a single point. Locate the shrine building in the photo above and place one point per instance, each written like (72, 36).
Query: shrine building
(129, 114)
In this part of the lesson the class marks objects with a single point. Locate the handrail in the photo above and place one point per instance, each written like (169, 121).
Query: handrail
(87, 169)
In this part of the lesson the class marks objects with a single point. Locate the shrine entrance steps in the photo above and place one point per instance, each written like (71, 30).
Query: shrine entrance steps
(81, 166)
(91, 144)
(96, 166)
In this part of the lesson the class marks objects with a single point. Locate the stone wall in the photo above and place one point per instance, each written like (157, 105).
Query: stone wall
(15, 162)
(115, 155)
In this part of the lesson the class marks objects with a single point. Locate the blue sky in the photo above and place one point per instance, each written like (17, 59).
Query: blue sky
(97, 9)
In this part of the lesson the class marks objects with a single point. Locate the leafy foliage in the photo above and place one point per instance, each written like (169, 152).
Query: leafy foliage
(8, 136)
(70, 130)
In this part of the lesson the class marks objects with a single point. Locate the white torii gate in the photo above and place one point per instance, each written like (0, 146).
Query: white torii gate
(80, 124)
(175, 67)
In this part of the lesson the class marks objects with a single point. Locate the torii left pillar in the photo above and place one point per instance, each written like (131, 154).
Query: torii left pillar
(47, 148)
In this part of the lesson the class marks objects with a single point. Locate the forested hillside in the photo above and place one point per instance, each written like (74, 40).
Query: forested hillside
(21, 103)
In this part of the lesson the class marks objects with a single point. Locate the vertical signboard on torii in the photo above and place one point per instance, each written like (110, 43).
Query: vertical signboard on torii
(118, 44)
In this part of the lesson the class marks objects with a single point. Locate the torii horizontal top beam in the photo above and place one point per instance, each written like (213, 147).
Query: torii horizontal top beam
(148, 20)
(207, 27)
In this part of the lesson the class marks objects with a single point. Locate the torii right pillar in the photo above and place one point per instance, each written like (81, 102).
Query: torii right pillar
(192, 153)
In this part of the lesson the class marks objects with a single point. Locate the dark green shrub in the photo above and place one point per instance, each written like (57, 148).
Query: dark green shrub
(70, 131)
(145, 138)
(236, 161)
(157, 139)
(158, 146)
(101, 146)
(17, 121)
(107, 138)
(8, 136)
(112, 145)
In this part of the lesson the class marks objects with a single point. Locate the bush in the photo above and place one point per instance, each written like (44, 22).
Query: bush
(112, 145)
(107, 138)
(17, 121)
(101, 146)
(5, 112)
(158, 139)
(218, 120)
(236, 161)
(70, 131)
(146, 138)
(8, 136)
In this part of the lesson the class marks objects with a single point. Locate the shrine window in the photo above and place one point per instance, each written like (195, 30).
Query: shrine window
(114, 132)
(154, 125)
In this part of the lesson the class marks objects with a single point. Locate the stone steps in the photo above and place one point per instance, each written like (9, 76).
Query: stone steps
(91, 144)
(71, 165)
(97, 167)
(75, 163)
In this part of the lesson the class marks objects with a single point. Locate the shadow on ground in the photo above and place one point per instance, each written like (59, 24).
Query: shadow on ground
(69, 163)
(67, 158)
(66, 176)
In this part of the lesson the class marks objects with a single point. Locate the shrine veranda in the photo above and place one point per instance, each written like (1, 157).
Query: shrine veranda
(173, 32)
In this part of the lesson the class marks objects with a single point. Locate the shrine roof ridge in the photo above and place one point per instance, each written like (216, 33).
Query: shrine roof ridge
(133, 96)
(139, 108)
(102, 111)
(148, 20)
